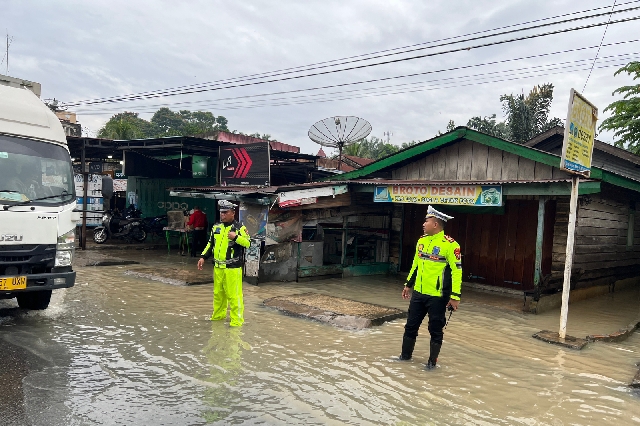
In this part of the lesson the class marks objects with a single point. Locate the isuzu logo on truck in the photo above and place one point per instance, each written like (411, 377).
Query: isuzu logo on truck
(10, 237)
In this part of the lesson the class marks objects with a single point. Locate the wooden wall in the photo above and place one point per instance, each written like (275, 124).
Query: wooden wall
(467, 160)
(600, 242)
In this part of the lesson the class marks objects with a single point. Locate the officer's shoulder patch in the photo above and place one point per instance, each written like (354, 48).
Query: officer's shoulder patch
(448, 238)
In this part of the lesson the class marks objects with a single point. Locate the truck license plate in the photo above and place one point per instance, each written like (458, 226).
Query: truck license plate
(13, 283)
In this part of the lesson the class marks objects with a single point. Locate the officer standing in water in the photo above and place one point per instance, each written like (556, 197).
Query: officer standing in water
(227, 243)
(435, 278)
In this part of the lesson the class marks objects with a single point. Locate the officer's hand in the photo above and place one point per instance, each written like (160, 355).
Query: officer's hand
(454, 304)
(406, 293)
(231, 235)
(200, 264)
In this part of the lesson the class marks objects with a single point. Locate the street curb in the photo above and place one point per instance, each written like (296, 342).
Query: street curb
(618, 336)
(554, 338)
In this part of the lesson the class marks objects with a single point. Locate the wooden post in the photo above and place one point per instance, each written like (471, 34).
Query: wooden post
(568, 262)
(539, 237)
(85, 177)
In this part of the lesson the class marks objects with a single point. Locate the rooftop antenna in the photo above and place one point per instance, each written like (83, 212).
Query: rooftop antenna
(339, 131)
(6, 54)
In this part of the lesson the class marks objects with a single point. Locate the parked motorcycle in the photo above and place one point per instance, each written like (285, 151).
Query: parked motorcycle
(115, 226)
(155, 225)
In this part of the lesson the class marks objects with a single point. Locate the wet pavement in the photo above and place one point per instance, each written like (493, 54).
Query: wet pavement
(121, 350)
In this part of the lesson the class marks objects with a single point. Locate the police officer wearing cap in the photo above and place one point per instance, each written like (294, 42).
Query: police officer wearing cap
(227, 242)
(433, 284)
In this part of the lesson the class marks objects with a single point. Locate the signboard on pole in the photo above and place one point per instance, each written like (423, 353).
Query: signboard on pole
(577, 150)
(456, 195)
(245, 165)
(579, 134)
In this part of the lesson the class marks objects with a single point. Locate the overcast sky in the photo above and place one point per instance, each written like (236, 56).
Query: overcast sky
(81, 50)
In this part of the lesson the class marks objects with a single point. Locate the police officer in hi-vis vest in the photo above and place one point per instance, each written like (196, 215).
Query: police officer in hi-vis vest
(227, 243)
(435, 278)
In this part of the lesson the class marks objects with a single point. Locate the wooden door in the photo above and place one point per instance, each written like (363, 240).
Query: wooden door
(497, 250)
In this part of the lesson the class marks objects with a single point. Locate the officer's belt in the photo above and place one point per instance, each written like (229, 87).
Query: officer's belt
(225, 262)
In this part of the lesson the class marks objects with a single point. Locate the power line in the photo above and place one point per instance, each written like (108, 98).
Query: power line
(601, 40)
(202, 88)
(446, 85)
(198, 85)
(377, 80)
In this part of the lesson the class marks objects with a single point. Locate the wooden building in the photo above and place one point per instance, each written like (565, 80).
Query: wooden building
(518, 243)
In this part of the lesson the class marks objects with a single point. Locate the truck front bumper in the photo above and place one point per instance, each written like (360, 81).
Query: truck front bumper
(39, 282)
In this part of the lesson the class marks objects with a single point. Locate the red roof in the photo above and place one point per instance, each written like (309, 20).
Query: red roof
(242, 139)
(321, 154)
(359, 160)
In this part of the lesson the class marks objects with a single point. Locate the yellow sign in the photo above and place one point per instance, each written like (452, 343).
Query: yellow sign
(460, 195)
(579, 134)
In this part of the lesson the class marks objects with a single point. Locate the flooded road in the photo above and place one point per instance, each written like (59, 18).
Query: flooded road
(118, 350)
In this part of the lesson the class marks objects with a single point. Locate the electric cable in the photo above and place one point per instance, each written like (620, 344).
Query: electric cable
(199, 90)
(458, 68)
(483, 76)
(598, 52)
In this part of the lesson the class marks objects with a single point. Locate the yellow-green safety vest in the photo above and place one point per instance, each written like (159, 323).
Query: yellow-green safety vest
(437, 267)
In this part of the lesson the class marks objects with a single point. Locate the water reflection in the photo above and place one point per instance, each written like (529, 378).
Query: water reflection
(140, 352)
(223, 352)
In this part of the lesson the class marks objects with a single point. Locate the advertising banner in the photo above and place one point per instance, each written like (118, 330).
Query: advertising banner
(579, 134)
(309, 196)
(245, 165)
(457, 195)
(254, 217)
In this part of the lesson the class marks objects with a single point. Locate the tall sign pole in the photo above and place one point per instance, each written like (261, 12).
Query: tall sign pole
(577, 151)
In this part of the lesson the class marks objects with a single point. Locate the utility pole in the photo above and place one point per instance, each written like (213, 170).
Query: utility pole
(6, 55)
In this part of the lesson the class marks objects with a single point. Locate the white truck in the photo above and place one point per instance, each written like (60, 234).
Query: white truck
(37, 198)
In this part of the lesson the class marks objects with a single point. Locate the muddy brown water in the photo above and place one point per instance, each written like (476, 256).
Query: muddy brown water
(119, 350)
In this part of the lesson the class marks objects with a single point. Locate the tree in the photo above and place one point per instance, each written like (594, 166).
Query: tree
(128, 125)
(489, 125)
(528, 115)
(373, 148)
(125, 126)
(409, 144)
(625, 113)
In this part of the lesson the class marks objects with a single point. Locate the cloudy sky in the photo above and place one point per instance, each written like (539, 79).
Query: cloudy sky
(83, 50)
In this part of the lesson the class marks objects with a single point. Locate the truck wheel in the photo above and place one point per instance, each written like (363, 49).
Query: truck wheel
(35, 300)
(100, 235)
(138, 234)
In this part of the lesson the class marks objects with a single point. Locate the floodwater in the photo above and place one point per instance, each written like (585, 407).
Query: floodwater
(117, 350)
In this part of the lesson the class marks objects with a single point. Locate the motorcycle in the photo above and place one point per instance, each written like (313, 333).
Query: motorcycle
(114, 226)
(155, 225)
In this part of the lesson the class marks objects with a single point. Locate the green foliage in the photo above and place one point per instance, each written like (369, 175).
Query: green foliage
(372, 147)
(490, 126)
(128, 125)
(408, 144)
(625, 113)
(125, 126)
(264, 136)
(528, 115)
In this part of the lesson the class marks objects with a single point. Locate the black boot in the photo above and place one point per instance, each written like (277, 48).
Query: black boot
(407, 348)
(433, 355)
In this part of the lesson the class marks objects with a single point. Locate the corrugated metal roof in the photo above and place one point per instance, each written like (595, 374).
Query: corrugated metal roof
(440, 182)
(266, 190)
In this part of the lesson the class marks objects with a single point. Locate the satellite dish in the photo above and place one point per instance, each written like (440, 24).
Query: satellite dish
(339, 131)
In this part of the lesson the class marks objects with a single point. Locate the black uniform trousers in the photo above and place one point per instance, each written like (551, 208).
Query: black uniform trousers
(422, 305)
(199, 242)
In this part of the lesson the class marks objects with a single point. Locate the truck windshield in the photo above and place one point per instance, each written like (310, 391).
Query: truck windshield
(34, 170)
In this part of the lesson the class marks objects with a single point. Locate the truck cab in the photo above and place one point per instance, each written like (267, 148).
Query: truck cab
(37, 198)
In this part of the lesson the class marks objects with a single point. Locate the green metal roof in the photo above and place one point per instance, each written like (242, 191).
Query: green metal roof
(405, 155)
